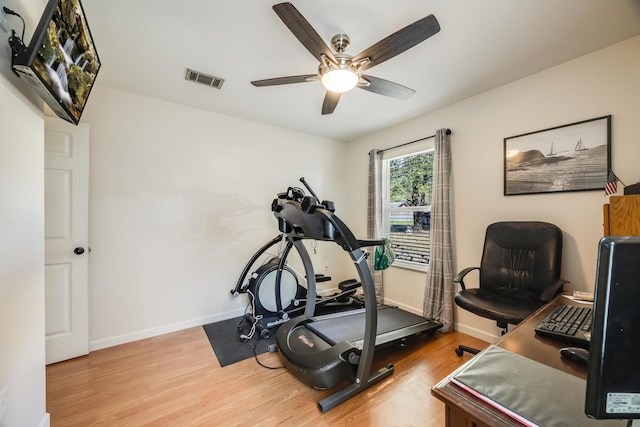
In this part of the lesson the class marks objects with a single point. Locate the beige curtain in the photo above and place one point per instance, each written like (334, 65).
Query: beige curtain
(438, 294)
(374, 215)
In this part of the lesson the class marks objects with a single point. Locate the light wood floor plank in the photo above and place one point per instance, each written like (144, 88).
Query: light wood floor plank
(176, 380)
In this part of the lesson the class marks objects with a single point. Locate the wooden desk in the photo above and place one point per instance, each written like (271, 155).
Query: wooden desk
(464, 410)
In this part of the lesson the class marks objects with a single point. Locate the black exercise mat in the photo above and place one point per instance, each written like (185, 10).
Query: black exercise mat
(223, 337)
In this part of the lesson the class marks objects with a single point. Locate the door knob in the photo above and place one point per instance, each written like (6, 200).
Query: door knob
(78, 251)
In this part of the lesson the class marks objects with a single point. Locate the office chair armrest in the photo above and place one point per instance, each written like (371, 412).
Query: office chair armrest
(553, 290)
(460, 276)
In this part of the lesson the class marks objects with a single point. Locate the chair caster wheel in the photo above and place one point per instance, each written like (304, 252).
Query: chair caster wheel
(459, 351)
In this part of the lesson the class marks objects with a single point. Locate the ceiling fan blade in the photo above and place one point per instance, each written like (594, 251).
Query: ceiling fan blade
(330, 102)
(400, 41)
(285, 80)
(386, 88)
(303, 31)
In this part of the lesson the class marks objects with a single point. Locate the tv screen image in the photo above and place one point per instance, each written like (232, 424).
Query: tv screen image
(61, 62)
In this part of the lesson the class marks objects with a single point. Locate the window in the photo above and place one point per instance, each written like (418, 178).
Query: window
(407, 181)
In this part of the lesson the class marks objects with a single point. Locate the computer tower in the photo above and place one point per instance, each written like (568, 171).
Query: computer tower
(613, 378)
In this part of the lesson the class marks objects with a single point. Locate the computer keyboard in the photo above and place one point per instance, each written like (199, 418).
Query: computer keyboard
(568, 323)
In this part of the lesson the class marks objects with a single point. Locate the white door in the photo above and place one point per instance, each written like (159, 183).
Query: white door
(66, 239)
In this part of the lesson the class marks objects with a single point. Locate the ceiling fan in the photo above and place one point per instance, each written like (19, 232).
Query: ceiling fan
(340, 72)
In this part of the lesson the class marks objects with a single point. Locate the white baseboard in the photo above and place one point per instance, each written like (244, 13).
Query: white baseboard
(404, 307)
(476, 333)
(45, 421)
(161, 330)
(153, 332)
(327, 292)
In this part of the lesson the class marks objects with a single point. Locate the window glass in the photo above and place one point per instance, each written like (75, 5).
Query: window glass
(407, 182)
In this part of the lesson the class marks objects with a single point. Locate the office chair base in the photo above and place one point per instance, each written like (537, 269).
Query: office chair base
(462, 348)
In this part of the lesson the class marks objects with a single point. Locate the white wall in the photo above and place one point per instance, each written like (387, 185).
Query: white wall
(21, 255)
(602, 83)
(22, 346)
(21, 259)
(180, 199)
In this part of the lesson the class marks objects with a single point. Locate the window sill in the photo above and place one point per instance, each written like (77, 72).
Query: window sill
(406, 265)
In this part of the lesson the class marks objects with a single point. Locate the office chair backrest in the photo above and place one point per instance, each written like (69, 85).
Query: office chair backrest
(521, 255)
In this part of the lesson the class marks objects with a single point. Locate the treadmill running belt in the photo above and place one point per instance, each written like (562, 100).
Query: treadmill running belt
(393, 324)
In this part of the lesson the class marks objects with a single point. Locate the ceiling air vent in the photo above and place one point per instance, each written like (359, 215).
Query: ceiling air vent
(204, 79)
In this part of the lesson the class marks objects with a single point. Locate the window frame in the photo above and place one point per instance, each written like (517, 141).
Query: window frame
(388, 156)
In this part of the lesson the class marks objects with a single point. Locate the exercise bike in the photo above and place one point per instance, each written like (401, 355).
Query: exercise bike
(274, 288)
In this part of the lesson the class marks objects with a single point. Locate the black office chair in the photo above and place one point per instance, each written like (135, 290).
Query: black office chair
(519, 273)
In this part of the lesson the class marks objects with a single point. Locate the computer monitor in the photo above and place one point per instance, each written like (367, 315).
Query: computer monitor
(613, 376)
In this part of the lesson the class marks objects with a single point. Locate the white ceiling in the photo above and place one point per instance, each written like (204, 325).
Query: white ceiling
(146, 45)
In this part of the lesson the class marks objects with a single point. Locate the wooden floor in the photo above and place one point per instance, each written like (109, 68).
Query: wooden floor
(175, 380)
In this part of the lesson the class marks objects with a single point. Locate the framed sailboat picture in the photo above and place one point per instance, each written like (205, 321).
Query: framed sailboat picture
(573, 157)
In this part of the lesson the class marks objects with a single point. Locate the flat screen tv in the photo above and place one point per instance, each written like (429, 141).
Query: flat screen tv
(613, 373)
(61, 62)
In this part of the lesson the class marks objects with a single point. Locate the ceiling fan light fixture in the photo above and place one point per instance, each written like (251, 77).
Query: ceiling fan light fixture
(340, 80)
(340, 72)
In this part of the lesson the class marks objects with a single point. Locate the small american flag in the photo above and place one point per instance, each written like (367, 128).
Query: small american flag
(612, 184)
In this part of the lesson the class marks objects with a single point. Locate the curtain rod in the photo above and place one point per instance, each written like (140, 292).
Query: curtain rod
(412, 142)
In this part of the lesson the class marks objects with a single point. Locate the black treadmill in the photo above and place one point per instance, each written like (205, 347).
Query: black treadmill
(394, 325)
(324, 351)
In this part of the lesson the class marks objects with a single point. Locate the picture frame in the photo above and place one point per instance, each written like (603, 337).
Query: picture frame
(572, 157)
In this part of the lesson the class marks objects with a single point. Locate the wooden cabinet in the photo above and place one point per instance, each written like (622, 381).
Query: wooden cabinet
(622, 216)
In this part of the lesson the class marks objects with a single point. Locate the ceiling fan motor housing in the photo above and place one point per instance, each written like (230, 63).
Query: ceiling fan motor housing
(340, 42)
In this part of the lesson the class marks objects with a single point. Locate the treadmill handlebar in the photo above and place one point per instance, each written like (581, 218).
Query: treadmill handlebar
(311, 220)
(364, 243)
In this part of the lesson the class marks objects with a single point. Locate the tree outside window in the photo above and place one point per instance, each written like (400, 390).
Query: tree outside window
(408, 192)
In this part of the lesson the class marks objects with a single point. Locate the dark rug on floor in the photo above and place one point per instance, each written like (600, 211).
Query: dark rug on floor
(223, 337)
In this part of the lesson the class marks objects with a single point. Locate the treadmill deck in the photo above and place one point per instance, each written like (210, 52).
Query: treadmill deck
(393, 324)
